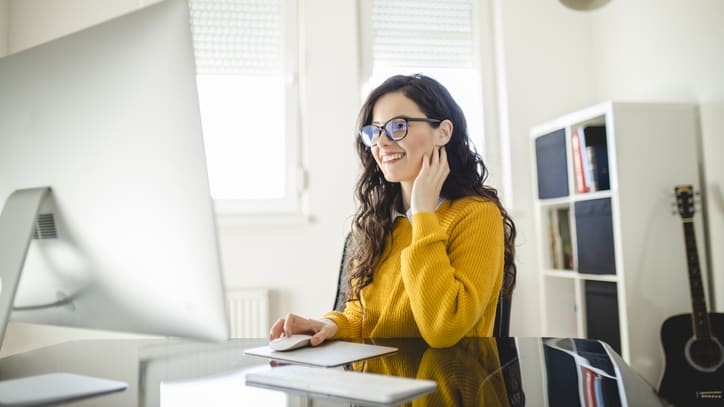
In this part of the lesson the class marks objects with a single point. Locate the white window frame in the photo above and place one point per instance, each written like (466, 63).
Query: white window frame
(290, 203)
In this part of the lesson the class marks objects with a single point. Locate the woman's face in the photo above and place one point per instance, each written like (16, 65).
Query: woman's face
(400, 161)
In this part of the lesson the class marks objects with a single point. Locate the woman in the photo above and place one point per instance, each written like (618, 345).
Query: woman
(430, 242)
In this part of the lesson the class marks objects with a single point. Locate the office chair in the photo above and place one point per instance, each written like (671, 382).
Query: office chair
(501, 328)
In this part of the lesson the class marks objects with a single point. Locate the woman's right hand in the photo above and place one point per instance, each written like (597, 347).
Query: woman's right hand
(321, 329)
(428, 184)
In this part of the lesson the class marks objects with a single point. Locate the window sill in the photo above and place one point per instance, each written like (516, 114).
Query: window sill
(291, 218)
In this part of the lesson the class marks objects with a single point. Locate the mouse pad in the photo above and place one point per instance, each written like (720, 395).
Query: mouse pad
(328, 354)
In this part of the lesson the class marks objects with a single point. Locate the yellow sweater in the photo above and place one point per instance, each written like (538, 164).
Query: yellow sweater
(467, 374)
(439, 279)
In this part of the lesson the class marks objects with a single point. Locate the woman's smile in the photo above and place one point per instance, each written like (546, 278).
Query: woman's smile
(391, 158)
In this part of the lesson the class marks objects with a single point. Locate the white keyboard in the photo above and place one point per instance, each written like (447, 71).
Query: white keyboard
(54, 388)
(343, 384)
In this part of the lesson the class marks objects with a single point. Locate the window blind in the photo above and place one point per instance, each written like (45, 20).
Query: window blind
(242, 37)
(422, 33)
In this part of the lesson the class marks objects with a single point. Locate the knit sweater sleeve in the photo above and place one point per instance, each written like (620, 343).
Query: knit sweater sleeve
(349, 322)
(450, 279)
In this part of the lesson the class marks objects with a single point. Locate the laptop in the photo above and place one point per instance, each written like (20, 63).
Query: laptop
(328, 354)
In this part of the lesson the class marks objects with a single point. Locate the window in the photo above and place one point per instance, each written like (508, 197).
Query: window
(434, 37)
(247, 80)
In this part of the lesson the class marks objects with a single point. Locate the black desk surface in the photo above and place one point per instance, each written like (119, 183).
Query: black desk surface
(479, 371)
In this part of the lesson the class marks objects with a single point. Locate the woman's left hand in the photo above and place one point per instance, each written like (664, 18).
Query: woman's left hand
(428, 184)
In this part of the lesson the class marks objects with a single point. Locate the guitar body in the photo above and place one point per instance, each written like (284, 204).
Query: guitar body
(694, 373)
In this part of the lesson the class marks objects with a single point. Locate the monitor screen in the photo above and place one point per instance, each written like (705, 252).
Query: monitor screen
(107, 119)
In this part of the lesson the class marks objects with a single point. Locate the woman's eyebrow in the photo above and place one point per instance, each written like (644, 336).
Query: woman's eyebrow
(380, 123)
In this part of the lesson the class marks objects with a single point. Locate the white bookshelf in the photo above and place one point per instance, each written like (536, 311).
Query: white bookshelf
(651, 148)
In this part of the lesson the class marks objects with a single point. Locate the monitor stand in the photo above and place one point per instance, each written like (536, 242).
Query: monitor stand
(17, 221)
(16, 231)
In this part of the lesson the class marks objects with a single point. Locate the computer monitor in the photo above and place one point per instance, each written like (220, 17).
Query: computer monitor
(100, 140)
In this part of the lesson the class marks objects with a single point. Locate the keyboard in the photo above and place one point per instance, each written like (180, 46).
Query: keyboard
(54, 388)
(349, 385)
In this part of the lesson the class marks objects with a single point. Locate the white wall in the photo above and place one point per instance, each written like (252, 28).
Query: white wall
(712, 130)
(668, 50)
(548, 71)
(32, 22)
(660, 50)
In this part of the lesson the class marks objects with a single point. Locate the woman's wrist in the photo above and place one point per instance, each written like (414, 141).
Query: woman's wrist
(327, 321)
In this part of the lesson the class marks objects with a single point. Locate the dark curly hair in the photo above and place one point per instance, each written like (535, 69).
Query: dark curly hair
(375, 196)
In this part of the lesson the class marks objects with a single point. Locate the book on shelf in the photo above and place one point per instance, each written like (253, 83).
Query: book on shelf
(556, 247)
(564, 228)
(590, 177)
(585, 158)
(596, 143)
(590, 159)
(561, 246)
(578, 169)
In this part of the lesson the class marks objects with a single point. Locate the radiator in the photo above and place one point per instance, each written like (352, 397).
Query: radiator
(248, 312)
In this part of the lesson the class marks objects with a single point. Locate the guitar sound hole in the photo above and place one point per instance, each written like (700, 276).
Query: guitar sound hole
(705, 354)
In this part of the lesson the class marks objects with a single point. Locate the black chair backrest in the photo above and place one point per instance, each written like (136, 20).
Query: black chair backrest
(341, 298)
(501, 329)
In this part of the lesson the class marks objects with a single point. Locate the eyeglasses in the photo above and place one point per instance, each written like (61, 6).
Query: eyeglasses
(395, 129)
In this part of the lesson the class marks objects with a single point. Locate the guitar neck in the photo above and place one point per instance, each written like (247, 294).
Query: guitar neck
(702, 329)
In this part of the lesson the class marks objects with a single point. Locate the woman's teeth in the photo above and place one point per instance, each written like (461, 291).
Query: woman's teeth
(391, 157)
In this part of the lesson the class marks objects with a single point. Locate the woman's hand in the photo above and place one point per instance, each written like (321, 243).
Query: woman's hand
(321, 329)
(428, 184)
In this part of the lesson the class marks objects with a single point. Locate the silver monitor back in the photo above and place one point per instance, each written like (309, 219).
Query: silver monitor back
(108, 118)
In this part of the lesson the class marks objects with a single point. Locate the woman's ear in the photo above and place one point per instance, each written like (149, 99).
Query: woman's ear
(443, 132)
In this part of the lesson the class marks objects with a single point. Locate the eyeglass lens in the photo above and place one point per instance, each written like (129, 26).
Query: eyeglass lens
(396, 130)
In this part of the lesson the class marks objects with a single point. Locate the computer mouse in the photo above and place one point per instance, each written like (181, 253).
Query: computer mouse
(290, 342)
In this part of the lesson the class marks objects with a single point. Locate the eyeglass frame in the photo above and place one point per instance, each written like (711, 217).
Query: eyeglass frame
(383, 128)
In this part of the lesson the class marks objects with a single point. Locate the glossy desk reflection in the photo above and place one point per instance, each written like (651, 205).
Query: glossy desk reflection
(479, 371)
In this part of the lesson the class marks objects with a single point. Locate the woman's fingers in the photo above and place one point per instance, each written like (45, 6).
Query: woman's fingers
(295, 324)
(425, 163)
(444, 165)
(326, 331)
(435, 159)
(428, 185)
(277, 329)
(318, 338)
(286, 326)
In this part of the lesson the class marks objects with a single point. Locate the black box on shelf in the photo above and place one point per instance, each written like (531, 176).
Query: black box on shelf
(594, 237)
(602, 313)
(550, 151)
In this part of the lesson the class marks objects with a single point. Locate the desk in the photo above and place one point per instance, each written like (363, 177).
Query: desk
(477, 371)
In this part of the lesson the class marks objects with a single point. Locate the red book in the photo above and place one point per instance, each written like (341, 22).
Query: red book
(589, 392)
(577, 156)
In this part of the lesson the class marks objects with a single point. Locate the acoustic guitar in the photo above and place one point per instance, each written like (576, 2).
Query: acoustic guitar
(694, 369)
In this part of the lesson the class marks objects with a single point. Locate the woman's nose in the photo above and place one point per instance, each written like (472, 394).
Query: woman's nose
(383, 140)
